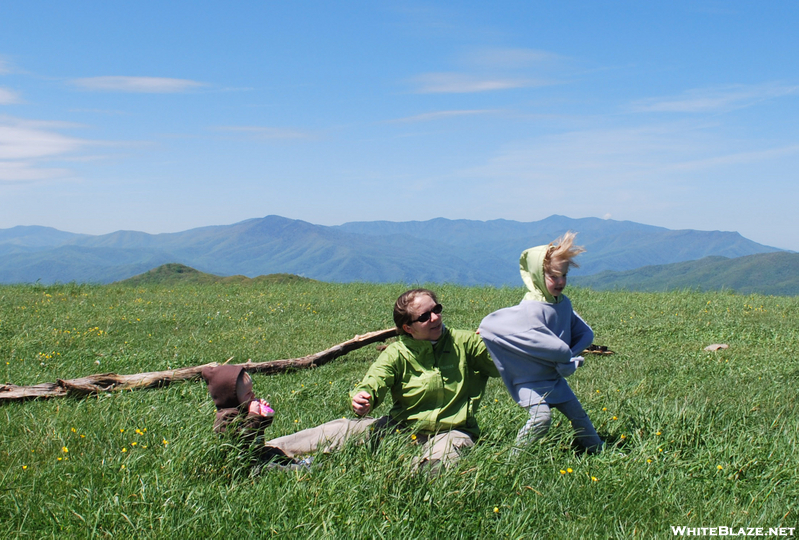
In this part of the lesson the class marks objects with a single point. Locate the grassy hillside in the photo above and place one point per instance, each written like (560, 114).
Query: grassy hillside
(696, 438)
(765, 273)
(175, 274)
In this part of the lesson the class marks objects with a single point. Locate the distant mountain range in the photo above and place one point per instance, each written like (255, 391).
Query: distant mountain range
(440, 250)
(765, 273)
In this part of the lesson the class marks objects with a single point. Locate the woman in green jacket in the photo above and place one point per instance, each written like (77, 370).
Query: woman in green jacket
(436, 378)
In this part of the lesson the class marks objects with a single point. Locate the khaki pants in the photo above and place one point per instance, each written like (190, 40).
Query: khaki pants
(438, 449)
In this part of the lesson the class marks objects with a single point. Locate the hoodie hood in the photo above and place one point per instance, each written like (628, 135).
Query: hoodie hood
(222, 385)
(531, 266)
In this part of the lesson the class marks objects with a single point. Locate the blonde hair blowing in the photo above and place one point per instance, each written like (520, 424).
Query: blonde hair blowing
(562, 250)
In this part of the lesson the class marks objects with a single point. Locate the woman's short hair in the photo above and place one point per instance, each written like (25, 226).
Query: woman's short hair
(562, 250)
(402, 315)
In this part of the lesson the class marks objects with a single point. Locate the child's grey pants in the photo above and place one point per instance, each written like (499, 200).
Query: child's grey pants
(541, 418)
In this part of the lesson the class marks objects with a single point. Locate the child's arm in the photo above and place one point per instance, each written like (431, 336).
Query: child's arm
(522, 332)
(564, 370)
(582, 335)
(539, 344)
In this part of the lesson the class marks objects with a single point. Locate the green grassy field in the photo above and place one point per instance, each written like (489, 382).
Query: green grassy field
(697, 439)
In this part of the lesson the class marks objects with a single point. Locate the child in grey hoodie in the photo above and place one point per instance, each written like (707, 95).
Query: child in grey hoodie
(537, 343)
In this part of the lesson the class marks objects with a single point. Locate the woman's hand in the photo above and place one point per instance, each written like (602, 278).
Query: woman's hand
(361, 404)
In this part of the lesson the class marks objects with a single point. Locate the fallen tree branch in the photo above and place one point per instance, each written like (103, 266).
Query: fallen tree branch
(105, 382)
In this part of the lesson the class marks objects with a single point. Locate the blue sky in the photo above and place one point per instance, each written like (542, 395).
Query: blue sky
(165, 116)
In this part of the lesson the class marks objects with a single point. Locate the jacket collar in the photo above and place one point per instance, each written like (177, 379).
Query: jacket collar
(422, 345)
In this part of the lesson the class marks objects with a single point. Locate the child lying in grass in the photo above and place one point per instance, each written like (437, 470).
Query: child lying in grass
(537, 343)
(237, 408)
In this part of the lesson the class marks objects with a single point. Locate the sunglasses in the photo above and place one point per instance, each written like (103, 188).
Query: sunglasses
(424, 317)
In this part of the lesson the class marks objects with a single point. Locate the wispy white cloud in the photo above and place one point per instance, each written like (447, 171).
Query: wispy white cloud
(488, 69)
(8, 97)
(715, 99)
(237, 89)
(438, 115)
(645, 165)
(739, 158)
(100, 111)
(147, 85)
(462, 83)
(607, 157)
(26, 145)
(39, 124)
(263, 132)
(23, 141)
(506, 58)
(681, 174)
(25, 171)
(5, 66)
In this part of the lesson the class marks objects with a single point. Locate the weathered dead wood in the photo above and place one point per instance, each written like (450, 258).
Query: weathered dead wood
(105, 382)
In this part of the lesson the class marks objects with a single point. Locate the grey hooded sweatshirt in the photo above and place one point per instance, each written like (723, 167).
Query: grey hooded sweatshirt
(532, 344)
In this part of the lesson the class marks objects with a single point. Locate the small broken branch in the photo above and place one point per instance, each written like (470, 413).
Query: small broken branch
(106, 382)
(597, 349)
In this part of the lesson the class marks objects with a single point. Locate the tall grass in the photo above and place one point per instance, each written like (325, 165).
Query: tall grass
(697, 438)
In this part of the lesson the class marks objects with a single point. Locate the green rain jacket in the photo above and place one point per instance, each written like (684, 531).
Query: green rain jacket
(434, 387)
